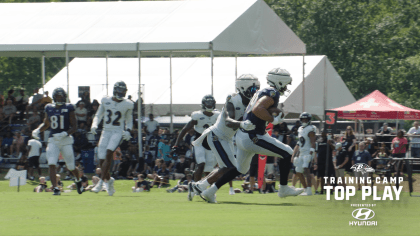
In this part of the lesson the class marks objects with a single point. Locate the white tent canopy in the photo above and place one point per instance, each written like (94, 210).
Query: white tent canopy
(191, 81)
(90, 29)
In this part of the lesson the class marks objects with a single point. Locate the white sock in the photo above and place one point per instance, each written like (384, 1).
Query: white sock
(308, 189)
(231, 188)
(204, 184)
(283, 186)
(213, 189)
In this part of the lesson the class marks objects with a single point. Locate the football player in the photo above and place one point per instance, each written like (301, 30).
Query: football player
(200, 121)
(306, 149)
(220, 135)
(60, 119)
(118, 122)
(256, 141)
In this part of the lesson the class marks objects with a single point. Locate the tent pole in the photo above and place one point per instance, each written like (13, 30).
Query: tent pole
(171, 126)
(303, 82)
(397, 121)
(139, 115)
(211, 55)
(106, 56)
(325, 85)
(68, 73)
(43, 72)
(236, 66)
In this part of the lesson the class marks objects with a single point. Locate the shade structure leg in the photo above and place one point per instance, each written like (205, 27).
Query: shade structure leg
(139, 101)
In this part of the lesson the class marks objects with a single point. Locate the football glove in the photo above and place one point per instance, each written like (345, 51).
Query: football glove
(35, 133)
(277, 119)
(126, 135)
(247, 125)
(93, 130)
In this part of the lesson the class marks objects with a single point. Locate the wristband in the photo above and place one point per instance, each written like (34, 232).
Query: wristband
(312, 150)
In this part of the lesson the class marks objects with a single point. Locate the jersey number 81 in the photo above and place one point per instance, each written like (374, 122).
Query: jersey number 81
(55, 120)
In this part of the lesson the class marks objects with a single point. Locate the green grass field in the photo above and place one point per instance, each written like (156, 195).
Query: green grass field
(161, 213)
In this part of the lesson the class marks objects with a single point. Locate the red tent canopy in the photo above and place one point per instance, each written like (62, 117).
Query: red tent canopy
(377, 106)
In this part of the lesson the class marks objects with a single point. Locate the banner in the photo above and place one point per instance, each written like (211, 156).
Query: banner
(330, 121)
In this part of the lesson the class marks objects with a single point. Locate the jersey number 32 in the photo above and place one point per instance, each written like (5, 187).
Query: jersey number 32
(116, 121)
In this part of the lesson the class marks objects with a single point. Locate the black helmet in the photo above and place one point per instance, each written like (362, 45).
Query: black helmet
(305, 115)
(59, 92)
(208, 103)
(120, 89)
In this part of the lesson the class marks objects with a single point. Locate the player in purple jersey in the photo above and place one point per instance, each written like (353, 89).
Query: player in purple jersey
(60, 119)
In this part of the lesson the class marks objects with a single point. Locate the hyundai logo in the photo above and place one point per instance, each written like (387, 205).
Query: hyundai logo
(363, 214)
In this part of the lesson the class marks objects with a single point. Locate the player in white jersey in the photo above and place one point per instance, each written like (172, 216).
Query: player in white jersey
(60, 119)
(306, 149)
(256, 141)
(118, 122)
(200, 121)
(220, 135)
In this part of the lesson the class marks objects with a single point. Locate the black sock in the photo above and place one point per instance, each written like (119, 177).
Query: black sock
(228, 176)
(284, 166)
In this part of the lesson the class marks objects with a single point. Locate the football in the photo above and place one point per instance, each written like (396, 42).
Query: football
(274, 111)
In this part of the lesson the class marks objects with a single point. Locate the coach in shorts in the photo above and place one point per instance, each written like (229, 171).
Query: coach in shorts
(361, 156)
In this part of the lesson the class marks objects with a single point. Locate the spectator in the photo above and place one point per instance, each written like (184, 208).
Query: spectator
(297, 125)
(371, 145)
(86, 99)
(164, 150)
(34, 121)
(399, 147)
(361, 156)
(340, 161)
(133, 144)
(116, 160)
(141, 184)
(380, 154)
(148, 156)
(1, 100)
(188, 137)
(162, 177)
(150, 126)
(18, 142)
(34, 149)
(123, 167)
(158, 164)
(9, 111)
(21, 103)
(349, 144)
(36, 102)
(180, 168)
(45, 100)
(182, 185)
(2, 116)
(153, 142)
(385, 130)
(6, 144)
(92, 112)
(81, 113)
(80, 142)
(10, 96)
(414, 133)
(42, 186)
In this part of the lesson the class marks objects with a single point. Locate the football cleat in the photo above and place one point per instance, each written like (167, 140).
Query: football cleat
(288, 191)
(79, 186)
(98, 186)
(208, 197)
(57, 191)
(197, 189)
(111, 189)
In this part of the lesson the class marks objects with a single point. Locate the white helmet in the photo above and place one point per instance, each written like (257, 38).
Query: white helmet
(279, 79)
(247, 85)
